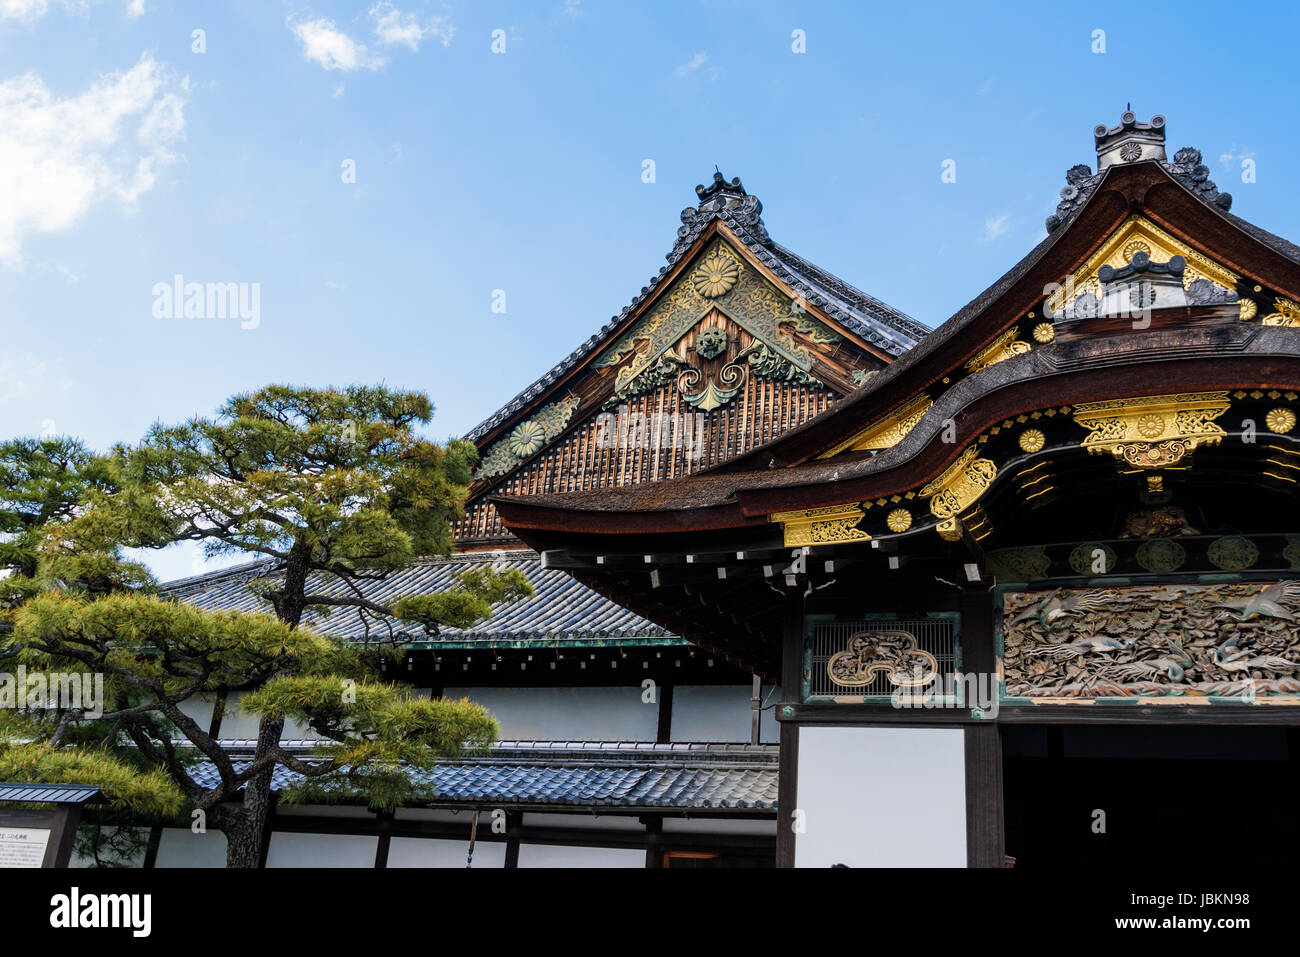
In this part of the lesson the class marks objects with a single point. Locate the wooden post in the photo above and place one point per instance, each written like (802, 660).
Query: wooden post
(664, 730)
(654, 850)
(985, 814)
(514, 821)
(791, 696)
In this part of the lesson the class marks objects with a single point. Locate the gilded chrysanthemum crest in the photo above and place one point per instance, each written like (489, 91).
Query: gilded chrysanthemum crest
(715, 276)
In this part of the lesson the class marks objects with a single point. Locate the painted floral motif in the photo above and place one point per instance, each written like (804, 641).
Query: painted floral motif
(1233, 553)
(1161, 555)
(526, 439)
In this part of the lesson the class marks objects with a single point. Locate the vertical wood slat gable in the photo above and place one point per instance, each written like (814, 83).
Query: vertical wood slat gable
(762, 410)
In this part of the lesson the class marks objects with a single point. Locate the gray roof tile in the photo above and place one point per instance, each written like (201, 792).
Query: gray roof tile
(561, 610)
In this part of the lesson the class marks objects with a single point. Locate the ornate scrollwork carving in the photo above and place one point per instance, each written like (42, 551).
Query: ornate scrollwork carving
(723, 281)
(827, 525)
(1152, 431)
(1004, 347)
(893, 653)
(960, 485)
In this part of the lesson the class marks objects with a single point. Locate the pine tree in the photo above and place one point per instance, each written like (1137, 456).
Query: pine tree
(333, 488)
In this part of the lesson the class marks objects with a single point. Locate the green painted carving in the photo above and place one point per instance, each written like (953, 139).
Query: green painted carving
(1292, 552)
(717, 391)
(1084, 559)
(526, 439)
(751, 302)
(1161, 555)
(662, 370)
(1233, 553)
(1227, 640)
(770, 365)
(1019, 564)
(711, 343)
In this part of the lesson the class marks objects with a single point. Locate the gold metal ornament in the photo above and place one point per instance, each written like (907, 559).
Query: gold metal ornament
(1288, 314)
(1044, 332)
(1280, 421)
(899, 520)
(893, 653)
(1247, 309)
(828, 525)
(1003, 347)
(1031, 440)
(887, 431)
(1139, 234)
(956, 489)
(1154, 431)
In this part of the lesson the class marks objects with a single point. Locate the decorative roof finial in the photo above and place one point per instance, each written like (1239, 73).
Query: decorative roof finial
(720, 193)
(1131, 141)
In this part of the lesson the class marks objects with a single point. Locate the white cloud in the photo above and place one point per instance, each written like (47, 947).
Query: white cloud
(573, 9)
(693, 64)
(326, 44)
(32, 10)
(23, 9)
(393, 27)
(993, 228)
(1233, 158)
(135, 9)
(59, 157)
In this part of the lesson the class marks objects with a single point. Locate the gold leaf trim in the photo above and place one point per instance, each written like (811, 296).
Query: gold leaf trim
(1152, 431)
(888, 431)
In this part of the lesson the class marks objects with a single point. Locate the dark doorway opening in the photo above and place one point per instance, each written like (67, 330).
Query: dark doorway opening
(1109, 796)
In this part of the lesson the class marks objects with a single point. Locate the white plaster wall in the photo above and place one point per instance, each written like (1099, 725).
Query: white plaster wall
(426, 852)
(575, 714)
(881, 797)
(181, 847)
(721, 713)
(544, 855)
(235, 722)
(322, 850)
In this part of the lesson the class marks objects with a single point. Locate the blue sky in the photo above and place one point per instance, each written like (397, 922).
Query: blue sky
(127, 158)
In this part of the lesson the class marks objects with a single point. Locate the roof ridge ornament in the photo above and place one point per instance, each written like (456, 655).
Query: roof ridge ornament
(725, 200)
(1134, 142)
(1130, 141)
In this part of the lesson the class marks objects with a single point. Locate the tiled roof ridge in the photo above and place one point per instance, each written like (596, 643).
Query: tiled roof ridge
(261, 566)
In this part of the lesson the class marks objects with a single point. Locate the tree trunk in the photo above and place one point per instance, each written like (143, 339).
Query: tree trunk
(243, 843)
(244, 839)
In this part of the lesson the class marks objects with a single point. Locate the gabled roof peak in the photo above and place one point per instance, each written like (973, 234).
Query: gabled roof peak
(1134, 142)
(723, 200)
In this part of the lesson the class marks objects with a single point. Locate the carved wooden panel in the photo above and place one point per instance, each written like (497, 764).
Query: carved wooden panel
(1176, 641)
